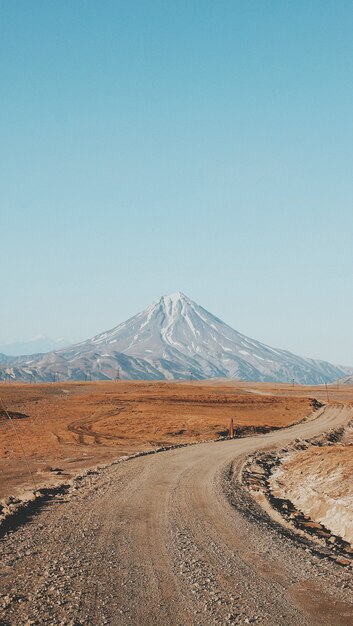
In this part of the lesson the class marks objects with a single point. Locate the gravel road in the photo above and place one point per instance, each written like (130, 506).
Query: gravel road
(171, 539)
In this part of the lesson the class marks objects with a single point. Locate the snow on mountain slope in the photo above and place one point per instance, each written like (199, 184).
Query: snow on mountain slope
(347, 380)
(176, 338)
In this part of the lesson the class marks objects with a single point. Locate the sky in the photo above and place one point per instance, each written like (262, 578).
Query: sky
(148, 147)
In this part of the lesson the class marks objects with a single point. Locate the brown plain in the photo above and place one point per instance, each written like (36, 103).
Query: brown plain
(70, 426)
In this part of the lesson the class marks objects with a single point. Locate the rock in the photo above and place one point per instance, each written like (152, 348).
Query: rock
(343, 561)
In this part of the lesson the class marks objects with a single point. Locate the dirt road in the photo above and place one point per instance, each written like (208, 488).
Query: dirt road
(171, 539)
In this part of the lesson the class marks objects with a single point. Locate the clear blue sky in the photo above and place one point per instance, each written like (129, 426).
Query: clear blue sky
(154, 146)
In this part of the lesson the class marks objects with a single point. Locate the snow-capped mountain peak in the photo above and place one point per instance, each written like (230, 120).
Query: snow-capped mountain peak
(176, 338)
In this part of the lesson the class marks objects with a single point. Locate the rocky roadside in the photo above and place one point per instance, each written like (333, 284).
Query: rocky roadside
(258, 476)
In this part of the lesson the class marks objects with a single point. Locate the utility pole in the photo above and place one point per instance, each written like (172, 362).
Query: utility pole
(327, 396)
(118, 374)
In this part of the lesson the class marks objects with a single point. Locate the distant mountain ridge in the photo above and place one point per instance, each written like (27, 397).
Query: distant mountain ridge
(174, 338)
(38, 344)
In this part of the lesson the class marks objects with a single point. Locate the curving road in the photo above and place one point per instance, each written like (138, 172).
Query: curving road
(171, 539)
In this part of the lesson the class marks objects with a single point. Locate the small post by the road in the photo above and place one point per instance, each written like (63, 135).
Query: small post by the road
(231, 429)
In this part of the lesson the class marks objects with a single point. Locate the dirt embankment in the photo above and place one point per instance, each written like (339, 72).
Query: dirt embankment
(319, 482)
(307, 486)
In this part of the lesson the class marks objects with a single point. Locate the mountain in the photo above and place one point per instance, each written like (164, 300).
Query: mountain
(174, 338)
(40, 343)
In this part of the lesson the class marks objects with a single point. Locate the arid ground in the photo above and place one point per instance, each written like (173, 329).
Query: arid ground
(169, 539)
(58, 429)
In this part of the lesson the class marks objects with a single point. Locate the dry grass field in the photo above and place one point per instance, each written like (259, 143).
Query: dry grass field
(58, 429)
